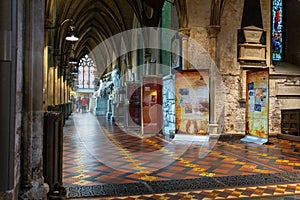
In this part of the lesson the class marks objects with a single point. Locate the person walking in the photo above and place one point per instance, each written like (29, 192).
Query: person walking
(78, 103)
(83, 104)
(73, 100)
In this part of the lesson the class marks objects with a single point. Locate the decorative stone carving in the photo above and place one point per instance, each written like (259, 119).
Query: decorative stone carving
(213, 31)
(252, 52)
(184, 32)
(252, 49)
(252, 34)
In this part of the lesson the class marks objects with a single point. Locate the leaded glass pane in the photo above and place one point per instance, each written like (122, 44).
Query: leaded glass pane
(86, 72)
(80, 76)
(277, 27)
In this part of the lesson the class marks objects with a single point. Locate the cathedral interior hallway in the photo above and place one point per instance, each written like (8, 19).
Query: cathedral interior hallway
(102, 160)
(189, 85)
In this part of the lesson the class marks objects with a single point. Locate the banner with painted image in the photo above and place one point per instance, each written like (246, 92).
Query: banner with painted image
(192, 102)
(257, 103)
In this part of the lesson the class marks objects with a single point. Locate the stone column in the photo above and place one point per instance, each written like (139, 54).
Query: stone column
(33, 186)
(57, 87)
(45, 87)
(66, 92)
(51, 86)
(147, 62)
(62, 90)
(213, 31)
(184, 33)
(8, 105)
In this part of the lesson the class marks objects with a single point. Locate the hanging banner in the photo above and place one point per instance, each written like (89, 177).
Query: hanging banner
(192, 102)
(257, 103)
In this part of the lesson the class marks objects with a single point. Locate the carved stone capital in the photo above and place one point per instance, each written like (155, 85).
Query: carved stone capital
(213, 30)
(129, 66)
(184, 32)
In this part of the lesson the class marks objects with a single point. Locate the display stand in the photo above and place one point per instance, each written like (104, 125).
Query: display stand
(192, 103)
(133, 106)
(152, 104)
(257, 106)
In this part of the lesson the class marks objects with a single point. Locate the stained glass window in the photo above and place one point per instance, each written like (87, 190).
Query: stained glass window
(86, 69)
(277, 27)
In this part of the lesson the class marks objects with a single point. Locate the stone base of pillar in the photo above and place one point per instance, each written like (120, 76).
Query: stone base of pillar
(38, 190)
(213, 131)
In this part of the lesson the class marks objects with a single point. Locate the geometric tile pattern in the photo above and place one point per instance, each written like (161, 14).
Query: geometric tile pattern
(284, 191)
(102, 159)
(289, 191)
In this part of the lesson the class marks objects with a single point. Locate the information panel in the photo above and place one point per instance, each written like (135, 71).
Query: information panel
(257, 103)
(133, 92)
(192, 102)
(152, 104)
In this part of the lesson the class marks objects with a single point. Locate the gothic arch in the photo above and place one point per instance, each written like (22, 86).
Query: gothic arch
(216, 11)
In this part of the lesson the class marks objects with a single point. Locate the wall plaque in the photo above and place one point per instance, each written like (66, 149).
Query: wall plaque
(254, 52)
(287, 90)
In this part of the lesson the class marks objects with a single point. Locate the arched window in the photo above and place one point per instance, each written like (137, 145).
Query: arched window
(86, 69)
(277, 30)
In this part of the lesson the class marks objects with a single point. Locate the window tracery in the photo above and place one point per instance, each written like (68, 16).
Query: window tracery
(86, 70)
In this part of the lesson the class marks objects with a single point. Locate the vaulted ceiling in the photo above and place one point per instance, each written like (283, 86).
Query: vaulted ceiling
(96, 20)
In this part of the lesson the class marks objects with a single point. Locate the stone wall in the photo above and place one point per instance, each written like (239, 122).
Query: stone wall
(226, 59)
(231, 70)
(282, 97)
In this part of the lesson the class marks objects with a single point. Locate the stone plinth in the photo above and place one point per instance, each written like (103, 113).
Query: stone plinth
(252, 52)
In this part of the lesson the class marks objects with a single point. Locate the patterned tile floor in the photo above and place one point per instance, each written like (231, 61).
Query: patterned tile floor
(102, 160)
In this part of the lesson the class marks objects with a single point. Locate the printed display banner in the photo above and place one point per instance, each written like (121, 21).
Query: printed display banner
(133, 91)
(257, 103)
(192, 101)
(152, 104)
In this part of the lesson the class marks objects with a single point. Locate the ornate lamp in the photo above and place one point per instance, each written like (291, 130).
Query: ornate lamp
(71, 33)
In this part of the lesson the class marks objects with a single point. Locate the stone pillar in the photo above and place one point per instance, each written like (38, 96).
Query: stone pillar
(147, 62)
(51, 86)
(8, 103)
(184, 33)
(57, 87)
(213, 31)
(66, 92)
(62, 90)
(33, 186)
(45, 87)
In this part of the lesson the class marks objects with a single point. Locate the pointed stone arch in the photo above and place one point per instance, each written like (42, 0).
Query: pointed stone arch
(182, 11)
(217, 7)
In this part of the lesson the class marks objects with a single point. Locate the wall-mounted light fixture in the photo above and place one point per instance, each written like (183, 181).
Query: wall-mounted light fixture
(71, 33)
(72, 60)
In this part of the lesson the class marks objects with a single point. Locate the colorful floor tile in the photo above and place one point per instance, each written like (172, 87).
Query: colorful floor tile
(102, 159)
